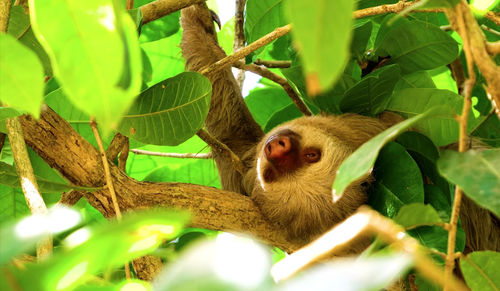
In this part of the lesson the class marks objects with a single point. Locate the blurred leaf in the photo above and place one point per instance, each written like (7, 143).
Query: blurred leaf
(264, 102)
(227, 263)
(434, 4)
(480, 270)
(170, 112)
(330, 22)
(8, 176)
(21, 76)
(359, 163)
(89, 250)
(477, 173)
(12, 204)
(226, 36)
(165, 58)
(398, 172)
(23, 235)
(442, 131)
(417, 214)
(416, 45)
(160, 28)
(371, 94)
(372, 273)
(95, 54)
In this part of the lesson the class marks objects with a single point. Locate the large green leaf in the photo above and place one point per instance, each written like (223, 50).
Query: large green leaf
(361, 161)
(199, 172)
(398, 172)
(165, 58)
(384, 201)
(477, 173)
(361, 36)
(412, 101)
(264, 102)
(322, 32)
(371, 94)
(420, 79)
(417, 214)
(21, 76)
(480, 270)
(416, 45)
(170, 112)
(94, 52)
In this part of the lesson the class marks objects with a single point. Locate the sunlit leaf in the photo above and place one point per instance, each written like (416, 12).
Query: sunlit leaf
(170, 112)
(477, 173)
(94, 52)
(361, 161)
(21, 76)
(322, 32)
(480, 270)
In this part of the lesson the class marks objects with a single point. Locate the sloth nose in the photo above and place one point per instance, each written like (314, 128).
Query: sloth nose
(277, 147)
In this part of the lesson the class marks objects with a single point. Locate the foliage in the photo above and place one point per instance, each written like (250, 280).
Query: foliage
(131, 79)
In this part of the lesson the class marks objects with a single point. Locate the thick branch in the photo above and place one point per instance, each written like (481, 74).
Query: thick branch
(160, 8)
(4, 14)
(56, 141)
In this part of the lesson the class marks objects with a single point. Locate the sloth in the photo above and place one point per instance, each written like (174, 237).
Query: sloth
(290, 171)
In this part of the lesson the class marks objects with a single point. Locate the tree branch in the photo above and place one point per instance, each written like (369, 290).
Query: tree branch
(5, 6)
(220, 148)
(239, 35)
(493, 17)
(493, 48)
(66, 151)
(173, 155)
(160, 8)
(264, 72)
(273, 64)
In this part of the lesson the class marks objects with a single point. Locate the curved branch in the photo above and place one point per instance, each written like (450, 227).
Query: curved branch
(160, 8)
(65, 150)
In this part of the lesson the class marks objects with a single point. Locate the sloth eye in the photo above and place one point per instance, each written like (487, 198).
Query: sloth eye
(312, 155)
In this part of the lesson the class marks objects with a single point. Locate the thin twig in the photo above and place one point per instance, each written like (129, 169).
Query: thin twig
(27, 178)
(130, 4)
(273, 64)
(363, 223)
(277, 33)
(220, 148)
(392, 8)
(173, 155)
(109, 182)
(489, 29)
(457, 20)
(160, 8)
(239, 36)
(265, 72)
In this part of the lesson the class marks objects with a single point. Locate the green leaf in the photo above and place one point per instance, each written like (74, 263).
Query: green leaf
(416, 45)
(160, 28)
(412, 101)
(21, 76)
(108, 245)
(6, 112)
(420, 79)
(8, 176)
(398, 172)
(371, 94)
(95, 54)
(359, 163)
(417, 214)
(165, 58)
(12, 204)
(199, 172)
(322, 32)
(384, 201)
(264, 102)
(480, 270)
(361, 36)
(477, 173)
(170, 112)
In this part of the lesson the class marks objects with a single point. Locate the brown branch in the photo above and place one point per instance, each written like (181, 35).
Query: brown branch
(130, 4)
(122, 160)
(489, 29)
(264, 72)
(160, 8)
(236, 56)
(239, 35)
(173, 155)
(273, 64)
(457, 20)
(27, 178)
(391, 8)
(220, 148)
(5, 6)
(2, 140)
(493, 17)
(363, 223)
(493, 48)
(65, 150)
